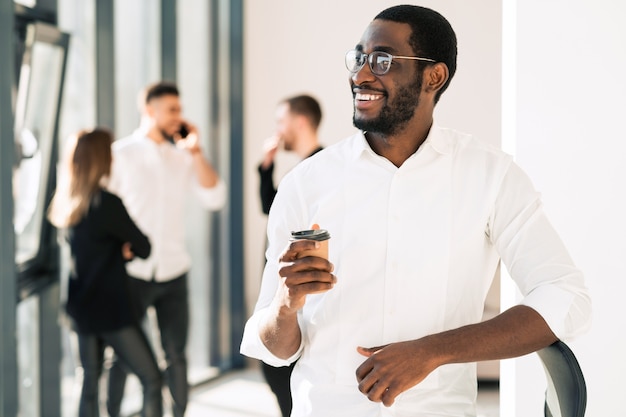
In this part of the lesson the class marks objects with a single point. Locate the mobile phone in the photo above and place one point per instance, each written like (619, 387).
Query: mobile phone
(184, 131)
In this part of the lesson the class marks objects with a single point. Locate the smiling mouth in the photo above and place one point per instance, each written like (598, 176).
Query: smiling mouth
(367, 97)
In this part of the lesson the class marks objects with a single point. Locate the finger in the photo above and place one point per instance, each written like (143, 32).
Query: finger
(364, 370)
(310, 268)
(192, 140)
(271, 144)
(312, 287)
(366, 386)
(295, 247)
(294, 296)
(377, 391)
(389, 396)
(369, 351)
(293, 277)
(315, 226)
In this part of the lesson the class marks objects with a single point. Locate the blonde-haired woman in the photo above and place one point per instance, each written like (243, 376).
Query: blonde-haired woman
(102, 237)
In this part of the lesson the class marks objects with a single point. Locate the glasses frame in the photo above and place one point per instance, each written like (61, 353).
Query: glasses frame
(368, 59)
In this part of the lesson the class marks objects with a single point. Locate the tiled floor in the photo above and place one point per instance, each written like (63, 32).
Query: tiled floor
(235, 394)
(245, 394)
(241, 393)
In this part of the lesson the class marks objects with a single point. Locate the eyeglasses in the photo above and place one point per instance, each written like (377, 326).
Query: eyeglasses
(379, 61)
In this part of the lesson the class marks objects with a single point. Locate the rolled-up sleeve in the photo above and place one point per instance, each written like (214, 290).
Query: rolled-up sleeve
(537, 259)
(286, 210)
(213, 198)
(252, 345)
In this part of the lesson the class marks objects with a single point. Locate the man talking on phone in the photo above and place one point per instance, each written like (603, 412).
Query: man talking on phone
(153, 171)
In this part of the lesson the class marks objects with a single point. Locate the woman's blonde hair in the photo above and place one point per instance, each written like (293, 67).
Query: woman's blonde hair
(87, 162)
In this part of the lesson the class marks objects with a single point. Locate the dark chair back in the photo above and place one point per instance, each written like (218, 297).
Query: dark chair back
(566, 395)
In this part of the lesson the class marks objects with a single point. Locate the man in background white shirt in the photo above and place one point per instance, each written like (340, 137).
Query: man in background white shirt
(153, 171)
(420, 217)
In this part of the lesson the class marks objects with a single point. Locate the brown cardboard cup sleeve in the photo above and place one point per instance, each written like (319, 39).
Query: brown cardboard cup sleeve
(320, 235)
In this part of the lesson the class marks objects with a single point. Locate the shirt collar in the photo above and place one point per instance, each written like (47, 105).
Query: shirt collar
(142, 136)
(439, 141)
(436, 139)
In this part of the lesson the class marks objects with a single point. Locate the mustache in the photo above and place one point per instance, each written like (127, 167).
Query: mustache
(360, 89)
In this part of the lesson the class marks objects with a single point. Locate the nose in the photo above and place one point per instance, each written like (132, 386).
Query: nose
(363, 75)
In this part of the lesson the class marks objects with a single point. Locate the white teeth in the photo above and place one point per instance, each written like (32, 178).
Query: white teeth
(367, 97)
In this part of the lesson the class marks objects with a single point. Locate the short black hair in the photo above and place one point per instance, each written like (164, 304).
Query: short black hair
(432, 35)
(160, 89)
(306, 106)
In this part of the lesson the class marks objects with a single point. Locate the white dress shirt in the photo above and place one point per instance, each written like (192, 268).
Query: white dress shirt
(153, 180)
(415, 250)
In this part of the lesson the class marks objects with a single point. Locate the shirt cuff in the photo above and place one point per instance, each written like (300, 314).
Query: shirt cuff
(267, 171)
(213, 198)
(566, 313)
(252, 345)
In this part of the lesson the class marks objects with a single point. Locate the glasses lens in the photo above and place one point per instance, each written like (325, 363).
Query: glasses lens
(355, 60)
(380, 62)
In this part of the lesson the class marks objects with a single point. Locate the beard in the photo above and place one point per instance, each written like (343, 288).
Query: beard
(167, 136)
(396, 114)
(287, 142)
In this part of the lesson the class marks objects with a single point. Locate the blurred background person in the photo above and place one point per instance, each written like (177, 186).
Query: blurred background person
(102, 237)
(154, 170)
(297, 122)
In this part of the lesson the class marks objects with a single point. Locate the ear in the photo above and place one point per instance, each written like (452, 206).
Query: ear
(435, 77)
(153, 106)
(300, 121)
(149, 109)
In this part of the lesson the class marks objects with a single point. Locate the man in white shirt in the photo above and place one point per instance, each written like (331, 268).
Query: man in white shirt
(420, 217)
(153, 171)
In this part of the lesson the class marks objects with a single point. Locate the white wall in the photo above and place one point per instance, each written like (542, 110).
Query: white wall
(570, 104)
(299, 46)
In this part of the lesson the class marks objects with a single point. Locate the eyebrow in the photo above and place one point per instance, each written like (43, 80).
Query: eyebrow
(388, 49)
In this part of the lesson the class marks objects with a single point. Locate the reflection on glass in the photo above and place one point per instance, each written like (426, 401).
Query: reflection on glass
(36, 115)
(28, 357)
(37, 101)
(26, 180)
(27, 3)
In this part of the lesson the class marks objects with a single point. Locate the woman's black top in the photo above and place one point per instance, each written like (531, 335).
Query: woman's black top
(98, 290)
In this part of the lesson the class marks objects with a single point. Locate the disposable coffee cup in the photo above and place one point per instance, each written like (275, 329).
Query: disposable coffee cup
(319, 235)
